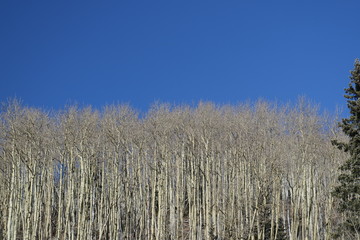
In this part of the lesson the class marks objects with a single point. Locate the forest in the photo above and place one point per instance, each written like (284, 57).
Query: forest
(251, 171)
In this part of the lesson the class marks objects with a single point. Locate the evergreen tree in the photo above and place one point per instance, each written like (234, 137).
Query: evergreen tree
(348, 190)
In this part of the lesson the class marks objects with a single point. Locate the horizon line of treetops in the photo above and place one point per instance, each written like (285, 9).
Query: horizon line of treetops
(251, 171)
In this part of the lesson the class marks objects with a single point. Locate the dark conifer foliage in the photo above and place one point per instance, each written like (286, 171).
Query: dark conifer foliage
(348, 190)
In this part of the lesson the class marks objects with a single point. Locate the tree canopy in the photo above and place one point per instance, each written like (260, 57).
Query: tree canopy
(348, 190)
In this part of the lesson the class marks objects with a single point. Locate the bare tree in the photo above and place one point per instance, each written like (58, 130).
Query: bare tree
(257, 171)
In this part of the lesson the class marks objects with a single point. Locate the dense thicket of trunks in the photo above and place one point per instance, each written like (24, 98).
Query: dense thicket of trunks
(207, 172)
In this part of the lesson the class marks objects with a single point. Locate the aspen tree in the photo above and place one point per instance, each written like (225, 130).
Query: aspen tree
(257, 171)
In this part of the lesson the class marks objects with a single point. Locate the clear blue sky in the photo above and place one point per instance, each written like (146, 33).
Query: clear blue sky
(137, 52)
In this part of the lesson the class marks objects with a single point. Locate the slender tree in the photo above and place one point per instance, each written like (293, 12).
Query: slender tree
(348, 190)
(208, 172)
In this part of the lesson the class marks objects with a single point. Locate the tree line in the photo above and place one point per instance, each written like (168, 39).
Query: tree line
(257, 171)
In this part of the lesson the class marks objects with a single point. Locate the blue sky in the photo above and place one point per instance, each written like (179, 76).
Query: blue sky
(138, 52)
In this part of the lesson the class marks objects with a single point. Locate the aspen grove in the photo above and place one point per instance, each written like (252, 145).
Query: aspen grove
(251, 171)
